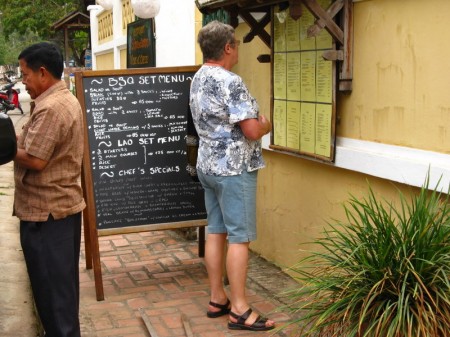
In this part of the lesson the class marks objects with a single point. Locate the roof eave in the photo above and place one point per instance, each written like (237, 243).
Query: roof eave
(215, 4)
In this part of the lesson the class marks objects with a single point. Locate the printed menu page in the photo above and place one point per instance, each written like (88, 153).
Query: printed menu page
(324, 88)
(308, 121)
(279, 76)
(279, 125)
(323, 129)
(306, 21)
(303, 85)
(293, 125)
(324, 39)
(308, 76)
(293, 76)
(292, 34)
(279, 36)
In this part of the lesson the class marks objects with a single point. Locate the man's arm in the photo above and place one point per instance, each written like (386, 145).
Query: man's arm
(254, 129)
(28, 161)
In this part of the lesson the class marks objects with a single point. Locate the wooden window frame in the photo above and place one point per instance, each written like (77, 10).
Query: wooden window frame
(341, 30)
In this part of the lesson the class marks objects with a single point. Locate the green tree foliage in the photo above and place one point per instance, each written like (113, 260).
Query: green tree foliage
(2, 49)
(34, 15)
(78, 43)
(23, 22)
(11, 48)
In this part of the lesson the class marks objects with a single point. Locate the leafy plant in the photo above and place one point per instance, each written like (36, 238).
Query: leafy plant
(385, 272)
(10, 49)
(35, 15)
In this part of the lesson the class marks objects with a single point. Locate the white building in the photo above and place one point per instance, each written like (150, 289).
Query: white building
(174, 33)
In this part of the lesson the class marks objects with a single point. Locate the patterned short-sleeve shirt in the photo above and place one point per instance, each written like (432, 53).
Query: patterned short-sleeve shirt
(219, 100)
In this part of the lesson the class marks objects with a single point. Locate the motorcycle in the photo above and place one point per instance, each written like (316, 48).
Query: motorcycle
(9, 98)
(5, 104)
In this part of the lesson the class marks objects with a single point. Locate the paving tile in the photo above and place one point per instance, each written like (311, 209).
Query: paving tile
(161, 273)
(158, 271)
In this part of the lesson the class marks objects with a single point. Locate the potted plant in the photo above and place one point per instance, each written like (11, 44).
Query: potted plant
(384, 272)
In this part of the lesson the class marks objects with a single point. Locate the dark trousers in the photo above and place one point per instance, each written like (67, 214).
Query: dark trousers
(52, 251)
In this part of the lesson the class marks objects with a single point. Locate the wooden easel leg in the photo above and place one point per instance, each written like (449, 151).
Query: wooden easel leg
(91, 238)
(97, 266)
(201, 241)
(87, 242)
(87, 233)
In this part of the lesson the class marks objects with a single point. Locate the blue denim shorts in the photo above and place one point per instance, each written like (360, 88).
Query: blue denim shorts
(231, 205)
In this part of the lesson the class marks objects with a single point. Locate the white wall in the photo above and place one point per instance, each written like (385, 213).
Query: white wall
(175, 34)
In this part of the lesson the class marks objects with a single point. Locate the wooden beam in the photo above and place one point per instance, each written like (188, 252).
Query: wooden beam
(330, 25)
(264, 58)
(257, 3)
(257, 27)
(319, 24)
(333, 55)
(234, 16)
(66, 46)
(201, 241)
(295, 9)
(346, 76)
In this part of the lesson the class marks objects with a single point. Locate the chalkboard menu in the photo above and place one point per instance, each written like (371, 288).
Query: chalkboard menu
(136, 128)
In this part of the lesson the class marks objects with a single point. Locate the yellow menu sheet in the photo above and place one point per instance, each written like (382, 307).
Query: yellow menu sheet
(293, 76)
(324, 75)
(306, 20)
(308, 127)
(293, 125)
(323, 129)
(292, 34)
(279, 76)
(279, 38)
(279, 124)
(324, 39)
(308, 76)
(303, 85)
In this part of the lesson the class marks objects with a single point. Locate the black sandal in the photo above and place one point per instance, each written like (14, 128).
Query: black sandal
(258, 325)
(224, 309)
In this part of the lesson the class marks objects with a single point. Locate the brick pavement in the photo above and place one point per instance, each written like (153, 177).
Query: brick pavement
(161, 272)
(158, 271)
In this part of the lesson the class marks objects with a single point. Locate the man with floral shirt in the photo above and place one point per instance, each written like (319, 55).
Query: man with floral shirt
(229, 126)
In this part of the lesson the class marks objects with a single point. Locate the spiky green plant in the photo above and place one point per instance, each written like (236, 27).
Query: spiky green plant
(385, 272)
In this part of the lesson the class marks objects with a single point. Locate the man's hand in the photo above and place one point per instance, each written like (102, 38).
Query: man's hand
(28, 161)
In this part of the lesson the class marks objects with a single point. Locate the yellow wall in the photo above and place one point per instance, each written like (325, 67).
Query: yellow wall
(400, 96)
(401, 75)
(255, 74)
(198, 26)
(298, 197)
(105, 61)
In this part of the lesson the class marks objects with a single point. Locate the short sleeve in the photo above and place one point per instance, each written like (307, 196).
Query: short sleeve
(43, 134)
(241, 105)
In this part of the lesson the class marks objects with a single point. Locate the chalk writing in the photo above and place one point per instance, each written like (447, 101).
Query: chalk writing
(138, 150)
